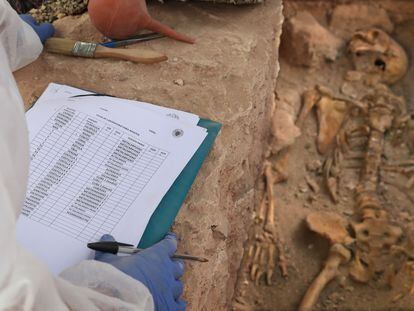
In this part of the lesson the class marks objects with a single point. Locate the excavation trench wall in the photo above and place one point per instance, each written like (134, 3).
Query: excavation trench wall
(228, 76)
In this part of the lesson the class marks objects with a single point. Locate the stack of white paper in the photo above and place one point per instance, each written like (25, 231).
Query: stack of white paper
(98, 165)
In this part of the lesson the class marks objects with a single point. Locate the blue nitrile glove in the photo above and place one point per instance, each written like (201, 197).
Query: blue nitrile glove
(43, 30)
(155, 269)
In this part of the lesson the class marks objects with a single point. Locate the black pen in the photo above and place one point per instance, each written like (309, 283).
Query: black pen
(117, 247)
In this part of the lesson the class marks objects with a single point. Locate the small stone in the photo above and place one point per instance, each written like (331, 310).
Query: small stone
(353, 90)
(341, 280)
(314, 166)
(175, 59)
(284, 130)
(179, 82)
(311, 246)
(313, 185)
(349, 289)
(405, 216)
(308, 43)
(350, 186)
(353, 75)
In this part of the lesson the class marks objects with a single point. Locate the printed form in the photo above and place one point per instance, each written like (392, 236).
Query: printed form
(98, 165)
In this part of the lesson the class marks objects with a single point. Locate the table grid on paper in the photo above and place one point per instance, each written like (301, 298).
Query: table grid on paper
(85, 173)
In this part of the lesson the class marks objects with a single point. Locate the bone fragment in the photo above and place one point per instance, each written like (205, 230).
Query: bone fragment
(262, 208)
(283, 264)
(284, 131)
(312, 184)
(331, 181)
(409, 162)
(358, 272)
(270, 216)
(256, 259)
(270, 264)
(363, 131)
(410, 183)
(331, 115)
(309, 99)
(334, 228)
(331, 226)
(410, 136)
(338, 255)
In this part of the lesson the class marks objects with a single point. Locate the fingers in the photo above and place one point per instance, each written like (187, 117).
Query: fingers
(101, 256)
(177, 289)
(178, 269)
(181, 305)
(168, 246)
(105, 257)
(46, 30)
(43, 30)
(28, 19)
(171, 235)
(107, 238)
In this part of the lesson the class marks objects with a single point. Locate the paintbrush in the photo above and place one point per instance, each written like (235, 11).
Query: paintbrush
(94, 50)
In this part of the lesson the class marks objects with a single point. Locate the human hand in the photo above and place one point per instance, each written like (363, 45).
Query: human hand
(43, 30)
(155, 269)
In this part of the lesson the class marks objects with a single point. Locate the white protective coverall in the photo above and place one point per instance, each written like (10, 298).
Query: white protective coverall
(25, 282)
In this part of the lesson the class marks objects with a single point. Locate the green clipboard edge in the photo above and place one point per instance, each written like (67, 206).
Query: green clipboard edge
(164, 216)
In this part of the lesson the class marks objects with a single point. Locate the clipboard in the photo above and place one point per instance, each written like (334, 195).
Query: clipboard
(166, 212)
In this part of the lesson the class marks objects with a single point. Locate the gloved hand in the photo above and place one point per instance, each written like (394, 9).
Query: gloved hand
(43, 30)
(155, 269)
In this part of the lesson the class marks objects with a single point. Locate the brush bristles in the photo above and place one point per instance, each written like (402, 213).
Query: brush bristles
(60, 46)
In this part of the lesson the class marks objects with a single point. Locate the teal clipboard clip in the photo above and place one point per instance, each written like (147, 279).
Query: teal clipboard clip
(164, 216)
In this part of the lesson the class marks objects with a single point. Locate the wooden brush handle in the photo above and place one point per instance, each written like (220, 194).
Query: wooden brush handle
(133, 55)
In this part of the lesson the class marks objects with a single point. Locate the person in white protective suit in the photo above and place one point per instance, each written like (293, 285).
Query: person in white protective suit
(145, 281)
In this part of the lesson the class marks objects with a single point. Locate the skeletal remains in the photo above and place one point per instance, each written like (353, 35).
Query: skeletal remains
(261, 254)
(368, 245)
(372, 250)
